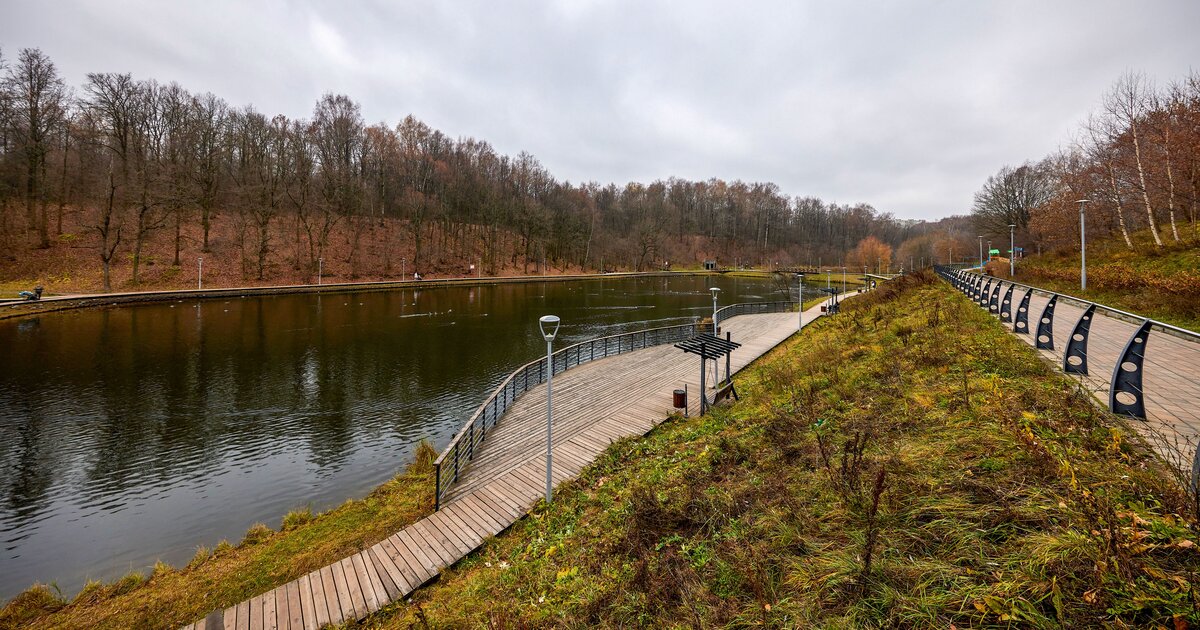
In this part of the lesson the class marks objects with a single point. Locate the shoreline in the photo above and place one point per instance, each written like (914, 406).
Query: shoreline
(17, 308)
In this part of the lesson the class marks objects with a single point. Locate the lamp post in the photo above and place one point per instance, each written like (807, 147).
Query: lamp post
(1012, 251)
(320, 269)
(800, 279)
(980, 253)
(843, 279)
(552, 322)
(716, 368)
(403, 269)
(1082, 247)
(200, 273)
(989, 259)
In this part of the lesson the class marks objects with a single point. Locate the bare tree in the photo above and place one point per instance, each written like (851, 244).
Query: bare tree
(38, 103)
(1008, 197)
(1128, 103)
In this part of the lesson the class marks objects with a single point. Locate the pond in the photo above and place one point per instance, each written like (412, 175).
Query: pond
(134, 434)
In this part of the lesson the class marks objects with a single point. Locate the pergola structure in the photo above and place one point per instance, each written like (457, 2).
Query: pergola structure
(712, 348)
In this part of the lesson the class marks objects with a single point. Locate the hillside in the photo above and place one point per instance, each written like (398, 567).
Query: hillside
(1163, 283)
(908, 464)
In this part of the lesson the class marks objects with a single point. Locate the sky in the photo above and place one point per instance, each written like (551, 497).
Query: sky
(907, 106)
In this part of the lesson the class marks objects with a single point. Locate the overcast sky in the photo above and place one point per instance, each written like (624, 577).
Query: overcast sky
(907, 106)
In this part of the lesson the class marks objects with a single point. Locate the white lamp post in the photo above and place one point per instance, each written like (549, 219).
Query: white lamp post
(800, 322)
(715, 291)
(1012, 251)
(200, 273)
(1082, 248)
(551, 322)
(320, 269)
(980, 253)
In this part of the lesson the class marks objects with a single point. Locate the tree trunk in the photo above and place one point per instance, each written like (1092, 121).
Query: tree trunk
(1137, 153)
(1116, 192)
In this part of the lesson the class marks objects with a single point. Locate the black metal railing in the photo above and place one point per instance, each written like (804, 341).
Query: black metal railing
(1126, 391)
(461, 449)
(462, 446)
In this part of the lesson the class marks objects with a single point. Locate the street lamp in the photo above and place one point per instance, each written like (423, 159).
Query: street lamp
(980, 253)
(320, 269)
(715, 291)
(989, 250)
(716, 368)
(1012, 251)
(1082, 248)
(551, 322)
(800, 279)
(200, 273)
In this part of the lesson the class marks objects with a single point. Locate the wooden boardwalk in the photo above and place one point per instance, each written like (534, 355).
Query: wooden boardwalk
(1171, 377)
(595, 404)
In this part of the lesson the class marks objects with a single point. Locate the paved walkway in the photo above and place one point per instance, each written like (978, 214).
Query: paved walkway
(595, 404)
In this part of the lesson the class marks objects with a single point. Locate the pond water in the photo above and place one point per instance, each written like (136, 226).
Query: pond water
(134, 434)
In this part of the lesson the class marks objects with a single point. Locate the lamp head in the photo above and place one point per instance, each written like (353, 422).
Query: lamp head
(715, 291)
(548, 324)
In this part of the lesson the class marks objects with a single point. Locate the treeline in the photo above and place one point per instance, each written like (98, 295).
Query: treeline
(142, 161)
(1136, 162)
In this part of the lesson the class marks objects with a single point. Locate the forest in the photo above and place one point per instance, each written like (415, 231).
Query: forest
(132, 181)
(1132, 167)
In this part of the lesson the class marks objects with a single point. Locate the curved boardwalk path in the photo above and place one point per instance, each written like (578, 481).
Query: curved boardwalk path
(1171, 379)
(594, 405)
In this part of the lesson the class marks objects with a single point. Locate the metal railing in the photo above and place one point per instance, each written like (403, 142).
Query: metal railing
(753, 308)
(462, 446)
(1126, 391)
(461, 449)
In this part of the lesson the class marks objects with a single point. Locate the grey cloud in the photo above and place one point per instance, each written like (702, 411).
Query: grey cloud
(907, 106)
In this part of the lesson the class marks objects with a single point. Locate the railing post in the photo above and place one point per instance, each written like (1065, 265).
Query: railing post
(1045, 331)
(985, 293)
(994, 299)
(1125, 394)
(1006, 304)
(437, 486)
(1075, 356)
(1022, 325)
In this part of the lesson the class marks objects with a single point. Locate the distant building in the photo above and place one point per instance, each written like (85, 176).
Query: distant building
(710, 265)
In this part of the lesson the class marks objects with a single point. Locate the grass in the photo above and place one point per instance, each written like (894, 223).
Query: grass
(905, 464)
(170, 597)
(1160, 283)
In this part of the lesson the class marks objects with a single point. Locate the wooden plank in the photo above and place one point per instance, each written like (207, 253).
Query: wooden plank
(448, 552)
(356, 591)
(485, 509)
(295, 613)
(307, 606)
(276, 602)
(401, 554)
(393, 571)
(488, 523)
(345, 604)
(229, 618)
(256, 613)
(467, 528)
(429, 565)
(333, 608)
(391, 592)
(449, 530)
(243, 615)
(370, 597)
(379, 581)
(320, 604)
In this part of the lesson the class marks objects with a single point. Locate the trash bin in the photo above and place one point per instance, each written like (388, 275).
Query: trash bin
(680, 399)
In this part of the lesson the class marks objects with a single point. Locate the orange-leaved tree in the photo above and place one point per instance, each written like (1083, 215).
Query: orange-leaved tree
(872, 253)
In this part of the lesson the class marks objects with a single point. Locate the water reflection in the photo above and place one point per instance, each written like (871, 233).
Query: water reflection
(138, 433)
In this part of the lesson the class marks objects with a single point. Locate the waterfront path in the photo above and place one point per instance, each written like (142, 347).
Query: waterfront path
(594, 404)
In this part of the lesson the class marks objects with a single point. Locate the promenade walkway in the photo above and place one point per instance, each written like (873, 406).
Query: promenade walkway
(1170, 368)
(594, 404)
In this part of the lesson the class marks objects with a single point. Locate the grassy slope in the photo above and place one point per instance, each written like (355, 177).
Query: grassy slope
(1163, 284)
(227, 575)
(911, 430)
